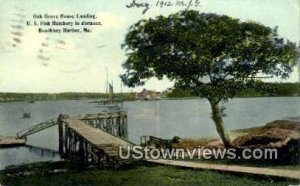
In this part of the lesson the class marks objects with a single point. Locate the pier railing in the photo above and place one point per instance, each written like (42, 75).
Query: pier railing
(114, 123)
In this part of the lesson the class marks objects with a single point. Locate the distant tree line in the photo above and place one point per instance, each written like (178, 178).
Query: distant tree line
(277, 89)
(8, 97)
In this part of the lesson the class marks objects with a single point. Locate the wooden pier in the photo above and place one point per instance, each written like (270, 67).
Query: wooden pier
(93, 139)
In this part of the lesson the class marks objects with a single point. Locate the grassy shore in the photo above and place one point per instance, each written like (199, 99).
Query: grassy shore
(140, 175)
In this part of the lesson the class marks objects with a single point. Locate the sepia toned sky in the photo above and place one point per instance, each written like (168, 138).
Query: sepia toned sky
(72, 62)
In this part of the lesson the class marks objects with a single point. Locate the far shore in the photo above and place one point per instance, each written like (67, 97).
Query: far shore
(133, 100)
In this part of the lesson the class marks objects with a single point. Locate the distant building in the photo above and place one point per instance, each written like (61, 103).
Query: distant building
(148, 95)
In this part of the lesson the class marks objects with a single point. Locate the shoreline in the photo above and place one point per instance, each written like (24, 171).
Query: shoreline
(169, 98)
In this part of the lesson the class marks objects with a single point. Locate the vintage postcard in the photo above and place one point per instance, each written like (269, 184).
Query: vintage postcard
(149, 92)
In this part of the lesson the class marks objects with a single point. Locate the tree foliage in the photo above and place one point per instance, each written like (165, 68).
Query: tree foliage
(215, 55)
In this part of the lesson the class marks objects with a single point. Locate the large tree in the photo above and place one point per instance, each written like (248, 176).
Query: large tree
(214, 55)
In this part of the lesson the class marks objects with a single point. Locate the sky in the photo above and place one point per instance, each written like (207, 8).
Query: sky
(82, 62)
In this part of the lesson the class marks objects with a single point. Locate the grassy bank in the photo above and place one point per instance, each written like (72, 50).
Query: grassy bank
(141, 175)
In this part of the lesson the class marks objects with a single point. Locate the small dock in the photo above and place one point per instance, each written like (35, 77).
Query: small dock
(11, 141)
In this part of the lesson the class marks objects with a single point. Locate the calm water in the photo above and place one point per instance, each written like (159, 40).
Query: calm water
(165, 118)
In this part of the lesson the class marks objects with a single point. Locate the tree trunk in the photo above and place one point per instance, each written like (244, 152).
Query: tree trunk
(219, 123)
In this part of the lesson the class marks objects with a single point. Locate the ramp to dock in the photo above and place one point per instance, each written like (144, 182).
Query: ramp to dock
(36, 128)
